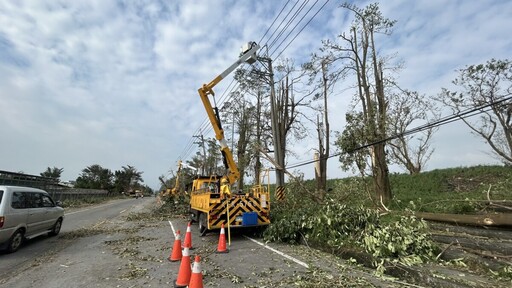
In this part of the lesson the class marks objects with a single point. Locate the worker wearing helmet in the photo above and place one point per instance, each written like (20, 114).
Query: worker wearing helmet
(224, 187)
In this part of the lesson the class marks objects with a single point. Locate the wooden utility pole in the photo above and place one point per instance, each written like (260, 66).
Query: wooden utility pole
(274, 119)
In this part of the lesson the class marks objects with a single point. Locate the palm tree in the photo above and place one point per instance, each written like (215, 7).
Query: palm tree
(54, 173)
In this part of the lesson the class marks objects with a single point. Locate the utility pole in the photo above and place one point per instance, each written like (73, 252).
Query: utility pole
(276, 127)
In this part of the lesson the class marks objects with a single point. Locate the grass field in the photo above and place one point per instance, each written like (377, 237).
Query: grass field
(453, 190)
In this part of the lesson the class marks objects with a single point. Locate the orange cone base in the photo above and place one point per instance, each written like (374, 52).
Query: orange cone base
(176, 253)
(179, 286)
(222, 252)
(189, 248)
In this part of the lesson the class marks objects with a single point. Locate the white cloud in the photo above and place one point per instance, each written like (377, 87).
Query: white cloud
(115, 83)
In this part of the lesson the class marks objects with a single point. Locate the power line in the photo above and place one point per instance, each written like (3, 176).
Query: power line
(227, 96)
(445, 120)
(301, 7)
(279, 14)
(282, 21)
(300, 31)
(205, 126)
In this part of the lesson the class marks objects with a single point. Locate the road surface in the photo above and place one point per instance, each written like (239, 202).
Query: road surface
(73, 221)
(123, 244)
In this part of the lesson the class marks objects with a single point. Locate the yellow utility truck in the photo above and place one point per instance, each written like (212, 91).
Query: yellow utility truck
(212, 203)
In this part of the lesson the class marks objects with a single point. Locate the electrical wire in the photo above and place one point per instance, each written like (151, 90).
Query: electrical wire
(282, 21)
(301, 7)
(205, 127)
(300, 31)
(470, 112)
(279, 14)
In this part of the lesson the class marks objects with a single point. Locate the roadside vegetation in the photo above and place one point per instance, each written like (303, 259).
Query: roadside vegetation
(350, 223)
(455, 190)
(452, 190)
(341, 227)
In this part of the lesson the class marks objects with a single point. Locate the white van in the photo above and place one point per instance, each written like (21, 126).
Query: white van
(26, 213)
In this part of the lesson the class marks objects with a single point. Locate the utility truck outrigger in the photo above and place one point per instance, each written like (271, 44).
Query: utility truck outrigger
(212, 202)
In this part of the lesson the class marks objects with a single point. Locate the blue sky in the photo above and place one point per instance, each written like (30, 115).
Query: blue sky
(115, 82)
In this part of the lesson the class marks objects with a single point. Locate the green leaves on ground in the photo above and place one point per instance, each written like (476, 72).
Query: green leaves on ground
(406, 240)
(334, 226)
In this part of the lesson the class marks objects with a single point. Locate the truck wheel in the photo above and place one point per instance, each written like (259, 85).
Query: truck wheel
(203, 226)
(193, 215)
(15, 241)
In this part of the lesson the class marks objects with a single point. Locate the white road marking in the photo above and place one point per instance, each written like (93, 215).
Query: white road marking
(279, 252)
(307, 266)
(173, 231)
(122, 211)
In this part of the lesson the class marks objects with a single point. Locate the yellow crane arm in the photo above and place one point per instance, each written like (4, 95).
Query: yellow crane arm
(177, 185)
(248, 55)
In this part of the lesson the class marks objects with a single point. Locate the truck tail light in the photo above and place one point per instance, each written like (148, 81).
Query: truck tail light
(2, 220)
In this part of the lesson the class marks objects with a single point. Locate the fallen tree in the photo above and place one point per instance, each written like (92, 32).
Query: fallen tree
(477, 220)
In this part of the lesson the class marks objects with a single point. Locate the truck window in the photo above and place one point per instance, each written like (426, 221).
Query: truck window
(1, 195)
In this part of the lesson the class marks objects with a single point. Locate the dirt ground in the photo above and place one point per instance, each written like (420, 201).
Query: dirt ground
(132, 252)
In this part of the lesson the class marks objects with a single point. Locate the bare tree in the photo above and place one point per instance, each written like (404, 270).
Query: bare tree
(359, 50)
(213, 158)
(488, 84)
(289, 101)
(320, 65)
(408, 108)
(254, 93)
(285, 112)
(241, 112)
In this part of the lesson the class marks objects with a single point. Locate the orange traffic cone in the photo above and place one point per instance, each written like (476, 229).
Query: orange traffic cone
(184, 273)
(196, 280)
(188, 238)
(176, 249)
(221, 248)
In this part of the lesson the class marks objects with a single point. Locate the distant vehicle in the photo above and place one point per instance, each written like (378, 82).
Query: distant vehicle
(26, 213)
(135, 194)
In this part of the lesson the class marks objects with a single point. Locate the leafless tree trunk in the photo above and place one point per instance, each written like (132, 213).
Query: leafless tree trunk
(323, 138)
(360, 51)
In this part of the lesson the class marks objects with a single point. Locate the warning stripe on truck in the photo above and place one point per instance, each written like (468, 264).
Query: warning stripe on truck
(238, 206)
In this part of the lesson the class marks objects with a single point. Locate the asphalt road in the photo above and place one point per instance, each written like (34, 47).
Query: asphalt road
(133, 252)
(74, 220)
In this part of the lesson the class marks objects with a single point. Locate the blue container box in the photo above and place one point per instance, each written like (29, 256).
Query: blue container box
(249, 219)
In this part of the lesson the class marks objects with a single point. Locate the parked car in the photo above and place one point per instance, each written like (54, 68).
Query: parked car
(26, 213)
